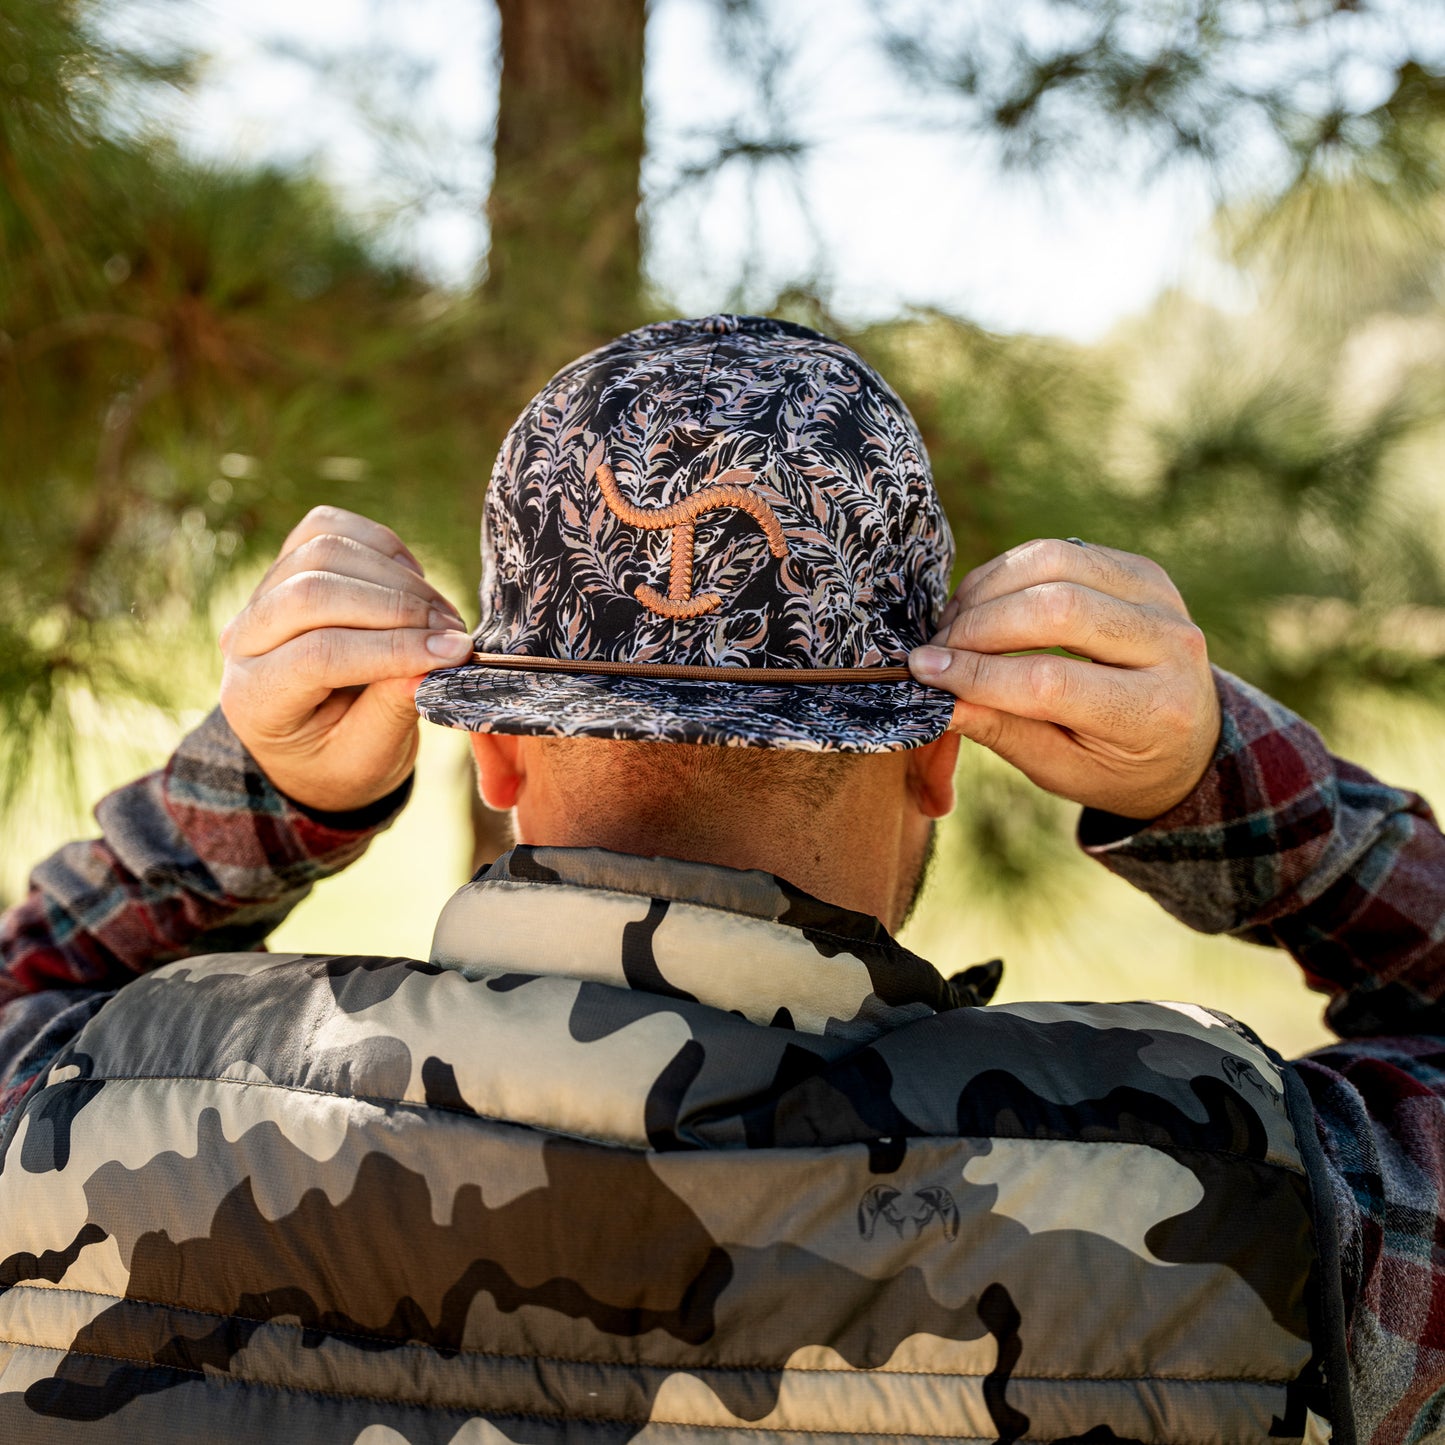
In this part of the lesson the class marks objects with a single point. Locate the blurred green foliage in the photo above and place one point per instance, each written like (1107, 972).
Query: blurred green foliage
(190, 357)
(1226, 81)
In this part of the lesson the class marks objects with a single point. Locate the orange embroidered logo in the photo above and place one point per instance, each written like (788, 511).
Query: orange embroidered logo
(682, 517)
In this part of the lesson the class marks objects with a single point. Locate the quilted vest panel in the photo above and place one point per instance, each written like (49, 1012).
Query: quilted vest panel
(366, 1201)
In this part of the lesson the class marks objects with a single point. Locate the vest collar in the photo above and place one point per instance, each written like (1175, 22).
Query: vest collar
(746, 942)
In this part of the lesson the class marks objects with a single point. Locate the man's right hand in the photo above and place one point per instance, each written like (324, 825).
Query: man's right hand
(323, 663)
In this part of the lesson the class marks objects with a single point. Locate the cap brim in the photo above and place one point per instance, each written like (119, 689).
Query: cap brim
(862, 717)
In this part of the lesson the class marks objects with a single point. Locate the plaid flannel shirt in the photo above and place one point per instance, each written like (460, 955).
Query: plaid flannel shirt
(1286, 845)
(201, 856)
(1281, 843)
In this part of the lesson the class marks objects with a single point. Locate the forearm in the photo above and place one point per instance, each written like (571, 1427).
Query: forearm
(201, 855)
(1284, 844)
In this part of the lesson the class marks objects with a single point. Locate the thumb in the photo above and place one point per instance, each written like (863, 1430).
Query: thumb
(380, 735)
(381, 723)
(394, 699)
(1035, 748)
(986, 726)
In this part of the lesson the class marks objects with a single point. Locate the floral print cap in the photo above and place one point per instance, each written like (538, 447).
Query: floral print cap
(726, 492)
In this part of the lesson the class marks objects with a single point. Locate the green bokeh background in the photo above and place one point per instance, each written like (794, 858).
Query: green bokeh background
(193, 354)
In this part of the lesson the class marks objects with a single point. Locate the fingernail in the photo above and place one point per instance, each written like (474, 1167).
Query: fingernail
(928, 663)
(452, 645)
(440, 620)
(407, 560)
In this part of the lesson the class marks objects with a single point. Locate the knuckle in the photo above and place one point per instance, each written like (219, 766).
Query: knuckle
(1157, 575)
(1048, 681)
(404, 647)
(1172, 717)
(987, 731)
(320, 553)
(1192, 641)
(317, 652)
(406, 610)
(1183, 718)
(967, 670)
(1058, 603)
(315, 520)
(959, 631)
(968, 581)
(259, 611)
(307, 591)
(1042, 555)
(230, 691)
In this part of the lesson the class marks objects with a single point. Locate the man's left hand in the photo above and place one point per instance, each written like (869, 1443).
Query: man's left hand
(1127, 725)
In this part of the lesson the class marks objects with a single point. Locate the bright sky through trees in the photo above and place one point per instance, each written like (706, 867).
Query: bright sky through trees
(898, 213)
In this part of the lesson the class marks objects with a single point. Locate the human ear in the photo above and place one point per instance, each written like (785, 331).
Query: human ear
(930, 775)
(499, 768)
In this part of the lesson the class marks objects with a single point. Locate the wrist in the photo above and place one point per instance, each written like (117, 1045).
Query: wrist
(320, 797)
(254, 839)
(1225, 854)
(365, 818)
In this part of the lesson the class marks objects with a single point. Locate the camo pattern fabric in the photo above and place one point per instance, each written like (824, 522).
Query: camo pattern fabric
(765, 478)
(649, 1152)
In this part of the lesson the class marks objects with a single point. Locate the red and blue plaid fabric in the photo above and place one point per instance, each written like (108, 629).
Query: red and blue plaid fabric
(1284, 844)
(1281, 843)
(201, 856)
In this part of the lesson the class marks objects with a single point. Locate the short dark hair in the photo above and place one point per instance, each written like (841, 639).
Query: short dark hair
(805, 779)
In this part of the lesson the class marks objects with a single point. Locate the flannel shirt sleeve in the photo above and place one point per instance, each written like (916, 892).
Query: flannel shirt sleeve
(202, 856)
(1284, 844)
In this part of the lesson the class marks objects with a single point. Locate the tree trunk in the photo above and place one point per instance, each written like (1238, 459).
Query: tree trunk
(566, 246)
(564, 268)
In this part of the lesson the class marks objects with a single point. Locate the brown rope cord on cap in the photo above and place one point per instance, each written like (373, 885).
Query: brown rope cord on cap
(679, 672)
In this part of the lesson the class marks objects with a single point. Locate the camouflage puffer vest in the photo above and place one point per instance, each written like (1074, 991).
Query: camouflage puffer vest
(651, 1151)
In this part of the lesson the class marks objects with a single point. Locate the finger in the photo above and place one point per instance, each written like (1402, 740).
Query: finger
(1066, 614)
(1084, 697)
(330, 552)
(1052, 759)
(320, 521)
(392, 696)
(298, 675)
(386, 708)
(1038, 749)
(1105, 569)
(312, 600)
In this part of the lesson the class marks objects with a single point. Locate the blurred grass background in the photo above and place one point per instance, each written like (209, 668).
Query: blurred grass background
(1168, 274)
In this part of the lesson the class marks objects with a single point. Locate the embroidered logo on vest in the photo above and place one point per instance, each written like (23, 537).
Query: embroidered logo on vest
(682, 517)
(909, 1214)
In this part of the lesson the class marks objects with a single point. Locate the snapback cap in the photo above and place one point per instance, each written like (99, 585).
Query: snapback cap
(713, 531)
